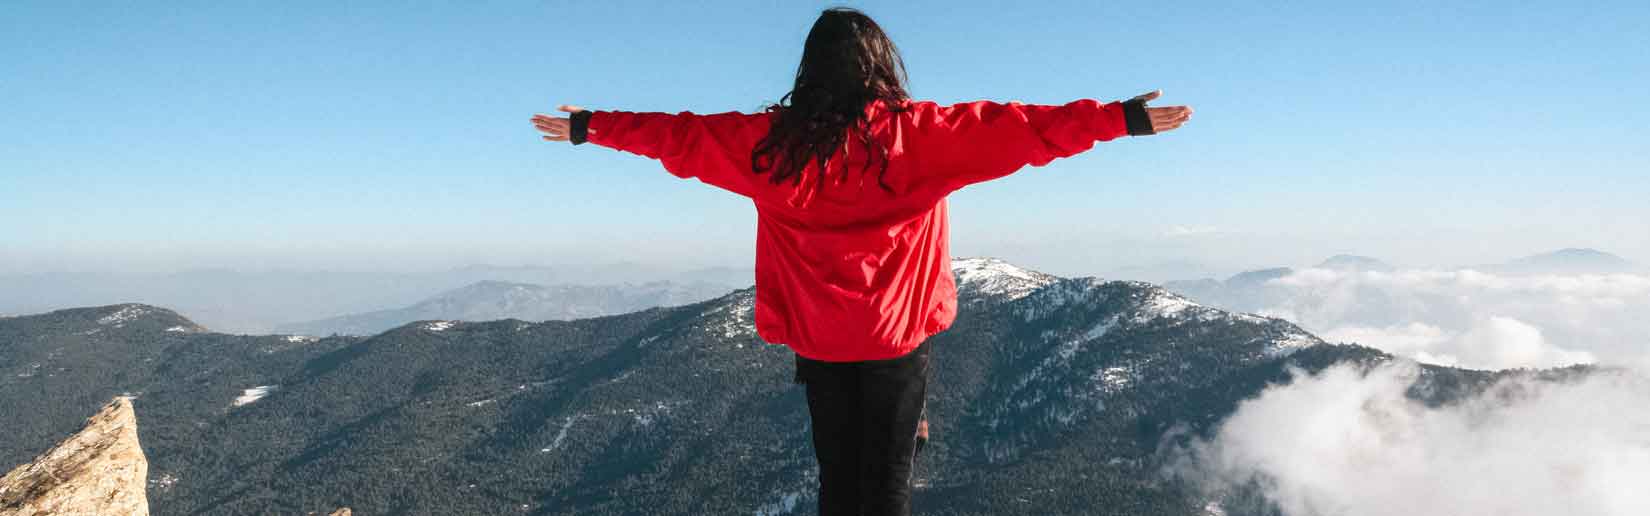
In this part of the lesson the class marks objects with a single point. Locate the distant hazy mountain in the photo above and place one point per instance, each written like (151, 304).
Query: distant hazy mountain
(1252, 290)
(1355, 263)
(1054, 400)
(491, 300)
(1566, 261)
(1245, 291)
(258, 302)
(1164, 271)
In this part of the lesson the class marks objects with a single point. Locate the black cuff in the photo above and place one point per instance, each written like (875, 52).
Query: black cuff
(581, 126)
(1134, 115)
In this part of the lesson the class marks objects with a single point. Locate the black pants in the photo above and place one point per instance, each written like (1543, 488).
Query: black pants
(865, 430)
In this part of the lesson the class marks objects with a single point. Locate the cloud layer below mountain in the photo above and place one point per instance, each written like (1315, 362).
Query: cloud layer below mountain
(1473, 319)
(1348, 442)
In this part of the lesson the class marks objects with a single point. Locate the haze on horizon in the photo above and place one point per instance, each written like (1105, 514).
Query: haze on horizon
(394, 139)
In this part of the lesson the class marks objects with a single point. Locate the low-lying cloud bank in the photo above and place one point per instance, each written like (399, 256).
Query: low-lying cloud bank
(1468, 318)
(1348, 442)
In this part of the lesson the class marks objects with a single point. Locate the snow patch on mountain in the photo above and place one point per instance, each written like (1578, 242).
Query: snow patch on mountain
(1161, 303)
(786, 502)
(994, 277)
(254, 394)
(1213, 509)
(126, 314)
(440, 325)
(1069, 348)
(561, 435)
(643, 416)
(1100, 329)
(734, 317)
(784, 505)
(646, 415)
(1113, 379)
(1292, 340)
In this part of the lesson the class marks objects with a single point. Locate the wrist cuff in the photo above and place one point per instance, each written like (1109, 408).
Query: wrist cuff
(1134, 115)
(581, 126)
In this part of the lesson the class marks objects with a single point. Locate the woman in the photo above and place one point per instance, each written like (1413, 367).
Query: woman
(849, 178)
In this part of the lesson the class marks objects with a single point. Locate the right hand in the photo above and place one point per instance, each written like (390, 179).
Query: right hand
(1165, 118)
(556, 128)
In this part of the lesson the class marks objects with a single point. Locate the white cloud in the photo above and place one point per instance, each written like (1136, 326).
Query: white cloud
(1494, 342)
(1349, 443)
(1505, 342)
(1413, 340)
(1472, 319)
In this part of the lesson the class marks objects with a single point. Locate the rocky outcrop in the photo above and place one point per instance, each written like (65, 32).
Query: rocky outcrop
(100, 470)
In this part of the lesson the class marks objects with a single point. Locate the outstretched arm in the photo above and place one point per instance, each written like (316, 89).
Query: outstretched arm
(971, 142)
(715, 148)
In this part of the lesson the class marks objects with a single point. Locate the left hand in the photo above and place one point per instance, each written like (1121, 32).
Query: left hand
(555, 128)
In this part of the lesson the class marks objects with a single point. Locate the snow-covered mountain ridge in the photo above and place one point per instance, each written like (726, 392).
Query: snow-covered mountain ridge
(1038, 373)
(992, 277)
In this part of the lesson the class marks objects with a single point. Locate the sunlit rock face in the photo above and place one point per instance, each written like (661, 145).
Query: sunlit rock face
(100, 470)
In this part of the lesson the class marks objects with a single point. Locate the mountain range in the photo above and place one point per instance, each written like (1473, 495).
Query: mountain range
(1567, 261)
(1050, 396)
(490, 300)
(260, 301)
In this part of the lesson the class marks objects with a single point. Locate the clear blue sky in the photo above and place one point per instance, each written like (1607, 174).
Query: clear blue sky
(162, 136)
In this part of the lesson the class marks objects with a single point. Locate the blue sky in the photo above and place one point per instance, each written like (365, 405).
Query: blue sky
(377, 135)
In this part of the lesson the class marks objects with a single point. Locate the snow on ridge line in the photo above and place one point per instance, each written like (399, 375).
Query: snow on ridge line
(1291, 342)
(995, 265)
(1160, 303)
(1153, 303)
(440, 325)
(993, 276)
(125, 314)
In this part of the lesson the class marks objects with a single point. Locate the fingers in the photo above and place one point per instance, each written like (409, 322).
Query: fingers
(556, 129)
(1170, 111)
(1149, 96)
(1159, 123)
(1168, 118)
(559, 125)
(1168, 114)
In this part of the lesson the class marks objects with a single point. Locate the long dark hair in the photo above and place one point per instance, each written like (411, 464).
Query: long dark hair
(847, 63)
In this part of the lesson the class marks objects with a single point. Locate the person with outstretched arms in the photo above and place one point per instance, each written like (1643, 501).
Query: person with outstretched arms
(849, 177)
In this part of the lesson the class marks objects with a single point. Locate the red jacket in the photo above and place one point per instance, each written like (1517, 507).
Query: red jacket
(850, 272)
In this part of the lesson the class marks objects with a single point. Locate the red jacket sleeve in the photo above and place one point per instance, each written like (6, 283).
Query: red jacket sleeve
(979, 141)
(714, 148)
